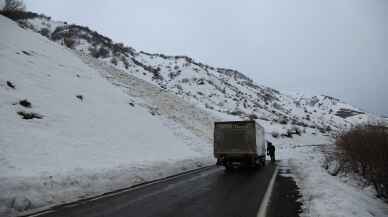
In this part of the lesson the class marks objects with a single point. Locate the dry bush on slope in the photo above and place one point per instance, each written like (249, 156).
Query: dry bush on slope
(364, 150)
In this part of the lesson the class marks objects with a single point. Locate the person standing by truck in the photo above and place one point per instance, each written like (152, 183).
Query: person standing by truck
(271, 151)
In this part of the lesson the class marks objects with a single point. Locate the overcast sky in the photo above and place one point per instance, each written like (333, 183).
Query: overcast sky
(333, 47)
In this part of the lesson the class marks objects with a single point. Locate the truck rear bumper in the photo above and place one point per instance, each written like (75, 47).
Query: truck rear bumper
(246, 158)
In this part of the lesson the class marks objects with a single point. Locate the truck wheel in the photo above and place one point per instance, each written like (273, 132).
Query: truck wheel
(262, 162)
(228, 166)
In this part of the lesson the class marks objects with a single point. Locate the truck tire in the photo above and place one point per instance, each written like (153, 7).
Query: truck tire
(262, 162)
(228, 166)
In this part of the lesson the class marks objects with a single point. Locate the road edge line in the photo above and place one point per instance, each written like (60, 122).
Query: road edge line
(264, 203)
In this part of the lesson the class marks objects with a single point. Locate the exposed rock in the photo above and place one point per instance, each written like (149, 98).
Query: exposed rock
(29, 115)
(80, 97)
(10, 84)
(25, 103)
(26, 53)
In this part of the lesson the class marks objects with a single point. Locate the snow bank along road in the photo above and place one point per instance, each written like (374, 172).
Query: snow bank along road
(210, 192)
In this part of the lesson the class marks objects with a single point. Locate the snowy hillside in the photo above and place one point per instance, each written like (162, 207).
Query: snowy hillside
(65, 128)
(218, 90)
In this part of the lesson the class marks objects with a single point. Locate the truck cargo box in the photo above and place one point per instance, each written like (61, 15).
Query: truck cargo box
(239, 141)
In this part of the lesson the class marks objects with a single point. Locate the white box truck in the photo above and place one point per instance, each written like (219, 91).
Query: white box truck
(239, 143)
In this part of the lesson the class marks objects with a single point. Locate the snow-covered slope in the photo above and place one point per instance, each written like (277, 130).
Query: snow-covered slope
(83, 131)
(218, 90)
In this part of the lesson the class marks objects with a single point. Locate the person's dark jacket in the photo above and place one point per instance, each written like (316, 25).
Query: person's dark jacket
(270, 149)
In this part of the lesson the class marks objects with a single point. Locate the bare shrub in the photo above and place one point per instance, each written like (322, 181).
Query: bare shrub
(29, 115)
(364, 151)
(103, 52)
(45, 32)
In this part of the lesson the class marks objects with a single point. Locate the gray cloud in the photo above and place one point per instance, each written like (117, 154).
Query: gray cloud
(338, 48)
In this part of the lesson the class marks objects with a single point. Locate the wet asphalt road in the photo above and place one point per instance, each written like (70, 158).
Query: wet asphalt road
(285, 198)
(209, 193)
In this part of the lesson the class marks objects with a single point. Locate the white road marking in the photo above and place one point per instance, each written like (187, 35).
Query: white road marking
(264, 204)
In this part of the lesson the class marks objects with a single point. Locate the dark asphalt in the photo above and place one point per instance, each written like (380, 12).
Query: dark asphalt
(285, 196)
(209, 193)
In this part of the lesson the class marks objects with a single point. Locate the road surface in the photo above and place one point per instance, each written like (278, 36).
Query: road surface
(212, 192)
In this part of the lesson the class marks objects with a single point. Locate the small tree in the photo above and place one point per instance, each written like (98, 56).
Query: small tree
(13, 5)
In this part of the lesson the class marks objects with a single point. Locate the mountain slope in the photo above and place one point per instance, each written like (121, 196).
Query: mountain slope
(219, 90)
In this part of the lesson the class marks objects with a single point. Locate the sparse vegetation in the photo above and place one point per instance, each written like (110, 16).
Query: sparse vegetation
(98, 52)
(103, 52)
(345, 113)
(29, 115)
(20, 15)
(364, 151)
(45, 32)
